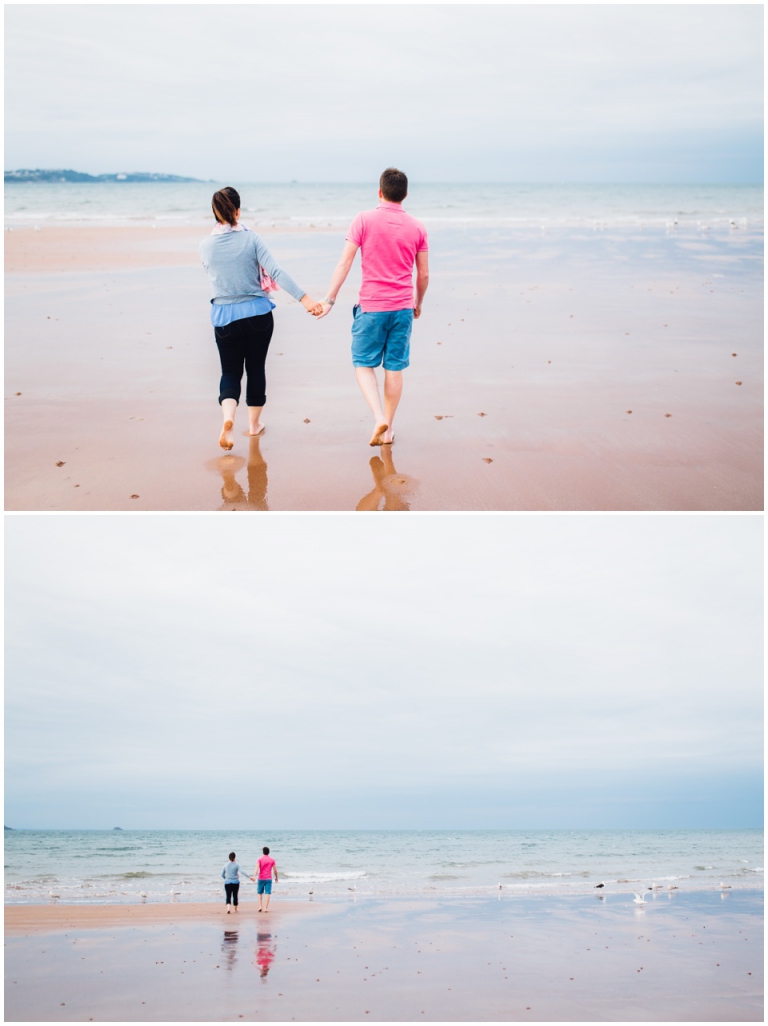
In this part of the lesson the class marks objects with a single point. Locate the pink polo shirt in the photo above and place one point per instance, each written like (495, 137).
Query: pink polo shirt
(265, 867)
(389, 240)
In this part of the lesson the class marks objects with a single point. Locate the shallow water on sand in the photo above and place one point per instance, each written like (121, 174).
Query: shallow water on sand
(682, 958)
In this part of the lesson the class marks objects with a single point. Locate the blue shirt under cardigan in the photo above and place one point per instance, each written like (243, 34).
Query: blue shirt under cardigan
(233, 262)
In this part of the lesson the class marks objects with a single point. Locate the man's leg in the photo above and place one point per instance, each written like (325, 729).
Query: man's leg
(258, 885)
(267, 895)
(393, 389)
(366, 379)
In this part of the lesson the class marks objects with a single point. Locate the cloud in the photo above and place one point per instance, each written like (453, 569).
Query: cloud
(458, 92)
(433, 652)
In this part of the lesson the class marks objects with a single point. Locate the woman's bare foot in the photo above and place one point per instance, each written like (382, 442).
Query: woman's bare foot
(225, 440)
(388, 438)
(377, 438)
(256, 429)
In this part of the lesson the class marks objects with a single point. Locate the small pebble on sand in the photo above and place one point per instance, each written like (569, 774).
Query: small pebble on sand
(60, 463)
(487, 459)
(738, 382)
(19, 393)
(438, 418)
(629, 411)
(732, 354)
(134, 496)
(667, 414)
(307, 420)
(482, 414)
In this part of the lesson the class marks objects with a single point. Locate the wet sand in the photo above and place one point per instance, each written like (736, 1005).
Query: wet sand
(691, 957)
(525, 366)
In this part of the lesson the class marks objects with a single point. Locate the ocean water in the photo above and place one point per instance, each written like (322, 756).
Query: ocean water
(117, 866)
(334, 205)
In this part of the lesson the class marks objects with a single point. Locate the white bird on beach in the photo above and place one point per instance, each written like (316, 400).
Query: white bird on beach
(53, 896)
(599, 885)
(725, 886)
(174, 893)
(640, 898)
(351, 888)
(143, 895)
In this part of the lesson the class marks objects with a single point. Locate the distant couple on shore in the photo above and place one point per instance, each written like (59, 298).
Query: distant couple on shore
(243, 271)
(265, 867)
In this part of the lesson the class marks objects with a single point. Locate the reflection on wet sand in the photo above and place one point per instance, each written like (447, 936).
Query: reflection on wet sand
(232, 491)
(391, 491)
(229, 948)
(265, 953)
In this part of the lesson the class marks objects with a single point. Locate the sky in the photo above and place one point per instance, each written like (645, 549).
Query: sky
(422, 672)
(334, 92)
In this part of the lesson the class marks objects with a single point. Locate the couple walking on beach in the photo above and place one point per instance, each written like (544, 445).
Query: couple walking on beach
(265, 867)
(243, 271)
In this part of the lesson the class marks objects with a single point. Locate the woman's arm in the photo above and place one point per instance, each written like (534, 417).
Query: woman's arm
(283, 279)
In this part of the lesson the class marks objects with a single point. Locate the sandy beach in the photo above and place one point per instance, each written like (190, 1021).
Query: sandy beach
(691, 957)
(563, 370)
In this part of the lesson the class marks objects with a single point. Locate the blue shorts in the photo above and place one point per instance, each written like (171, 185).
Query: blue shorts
(383, 336)
(264, 887)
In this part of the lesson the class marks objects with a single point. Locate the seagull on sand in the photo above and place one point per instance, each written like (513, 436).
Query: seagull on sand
(174, 893)
(53, 896)
(725, 886)
(640, 898)
(143, 895)
(599, 885)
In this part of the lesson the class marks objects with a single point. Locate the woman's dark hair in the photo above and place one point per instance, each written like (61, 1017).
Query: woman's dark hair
(231, 856)
(225, 204)
(393, 185)
(265, 850)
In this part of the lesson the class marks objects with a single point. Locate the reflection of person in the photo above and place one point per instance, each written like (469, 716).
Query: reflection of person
(236, 260)
(390, 242)
(232, 492)
(229, 948)
(265, 953)
(231, 874)
(265, 867)
(388, 486)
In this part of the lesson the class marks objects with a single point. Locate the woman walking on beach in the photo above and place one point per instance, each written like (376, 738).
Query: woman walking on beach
(241, 270)
(231, 874)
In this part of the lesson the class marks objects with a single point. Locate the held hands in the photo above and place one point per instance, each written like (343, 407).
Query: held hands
(316, 309)
(325, 309)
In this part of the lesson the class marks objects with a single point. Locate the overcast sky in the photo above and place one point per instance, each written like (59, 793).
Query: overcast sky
(657, 93)
(454, 671)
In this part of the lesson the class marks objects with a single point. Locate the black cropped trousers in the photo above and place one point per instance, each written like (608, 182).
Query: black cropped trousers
(243, 345)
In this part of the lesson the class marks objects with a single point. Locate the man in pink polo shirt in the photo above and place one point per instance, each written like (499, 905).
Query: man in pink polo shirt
(390, 242)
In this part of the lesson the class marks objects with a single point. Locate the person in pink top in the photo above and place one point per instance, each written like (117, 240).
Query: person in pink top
(391, 242)
(265, 867)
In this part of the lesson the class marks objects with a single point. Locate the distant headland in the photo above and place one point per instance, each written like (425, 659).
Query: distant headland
(39, 175)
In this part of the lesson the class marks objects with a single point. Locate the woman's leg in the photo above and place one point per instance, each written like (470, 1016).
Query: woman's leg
(235, 892)
(259, 335)
(228, 893)
(230, 341)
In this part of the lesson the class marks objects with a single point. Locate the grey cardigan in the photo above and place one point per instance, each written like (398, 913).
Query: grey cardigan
(233, 260)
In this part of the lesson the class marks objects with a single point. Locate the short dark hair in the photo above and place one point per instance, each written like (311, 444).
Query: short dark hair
(225, 204)
(231, 856)
(393, 185)
(265, 850)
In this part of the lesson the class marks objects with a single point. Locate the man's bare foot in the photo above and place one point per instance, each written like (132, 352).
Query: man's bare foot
(377, 438)
(226, 441)
(256, 429)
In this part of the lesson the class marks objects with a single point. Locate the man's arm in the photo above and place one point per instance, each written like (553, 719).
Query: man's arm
(422, 280)
(339, 275)
(275, 872)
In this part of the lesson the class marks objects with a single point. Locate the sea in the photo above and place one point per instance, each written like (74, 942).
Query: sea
(333, 205)
(128, 866)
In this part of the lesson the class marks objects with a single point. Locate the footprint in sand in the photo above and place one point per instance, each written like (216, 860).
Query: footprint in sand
(134, 496)
(732, 354)
(487, 459)
(60, 463)
(307, 420)
(482, 414)
(629, 411)
(667, 414)
(438, 418)
(738, 382)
